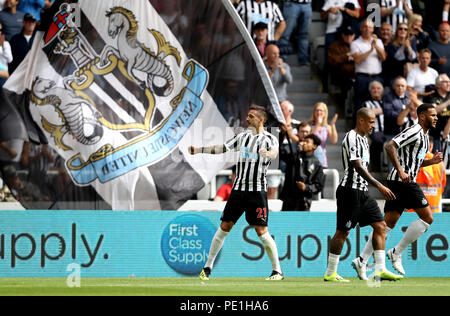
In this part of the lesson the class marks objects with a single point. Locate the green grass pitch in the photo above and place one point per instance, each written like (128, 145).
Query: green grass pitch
(221, 287)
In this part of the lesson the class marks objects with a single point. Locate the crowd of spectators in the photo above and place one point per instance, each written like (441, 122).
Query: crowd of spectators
(18, 20)
(391, 66)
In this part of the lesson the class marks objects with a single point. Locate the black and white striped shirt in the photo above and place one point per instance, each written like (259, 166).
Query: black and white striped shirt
(413, 145)
(354, 147)
(251, 169)
(252, 12)
(395, 18)
(379, 123)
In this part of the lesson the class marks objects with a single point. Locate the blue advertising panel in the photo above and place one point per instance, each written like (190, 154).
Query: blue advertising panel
(175, 244)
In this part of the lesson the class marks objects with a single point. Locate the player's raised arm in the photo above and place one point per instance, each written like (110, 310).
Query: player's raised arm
(213, 150)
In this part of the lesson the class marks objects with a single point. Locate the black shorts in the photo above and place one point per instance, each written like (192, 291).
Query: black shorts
(254, 204)
(408, 196)
(356, 206)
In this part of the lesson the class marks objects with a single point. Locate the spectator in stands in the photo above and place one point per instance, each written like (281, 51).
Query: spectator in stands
(323, 130)
(298, 13)
(401, 53)
(289, 130)
(225, 190)
(21, 43)
(441, 50)
(342, 65)
(433, 16)
(260, 33)
(441, 99)
(23, 191)
(287, 142)
(10, 152)
(5, 58)
(375, 103)
(33, 7)
(445, 11)
(5, 49)
(408, 116)
(385, 33)
(369, 54)
(11, 19)
(422, 76)
(304, 129)
(304, 177)
(7, 152)
(393, 103)
(334, 11)
(288, 133)
(418, 36)
(396, 11)
(254, 11)
(279, 71)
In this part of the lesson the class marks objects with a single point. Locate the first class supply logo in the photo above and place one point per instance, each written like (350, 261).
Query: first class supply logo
(185, 243)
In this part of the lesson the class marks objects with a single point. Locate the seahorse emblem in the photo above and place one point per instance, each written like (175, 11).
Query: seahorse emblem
(78, 116)
(122, 25)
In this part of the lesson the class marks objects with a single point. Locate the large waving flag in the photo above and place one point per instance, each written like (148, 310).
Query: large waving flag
(114, 91)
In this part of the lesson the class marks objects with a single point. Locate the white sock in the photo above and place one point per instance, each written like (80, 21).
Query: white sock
(216, 245)
(368, 249)
(272, 251)
(445, 16)
(380, 261)
(333, 261)
(414, 231)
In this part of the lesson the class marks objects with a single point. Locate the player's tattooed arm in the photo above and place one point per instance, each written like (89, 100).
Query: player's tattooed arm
(391, 150)
(387, 193)
(213, 150)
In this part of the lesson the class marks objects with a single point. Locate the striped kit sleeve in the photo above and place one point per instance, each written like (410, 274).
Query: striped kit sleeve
(354, 147)
(413, 144)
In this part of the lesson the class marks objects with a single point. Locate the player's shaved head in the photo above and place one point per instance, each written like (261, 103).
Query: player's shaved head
(364, 113)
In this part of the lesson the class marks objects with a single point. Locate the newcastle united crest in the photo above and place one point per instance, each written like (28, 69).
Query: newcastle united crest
(127, 88)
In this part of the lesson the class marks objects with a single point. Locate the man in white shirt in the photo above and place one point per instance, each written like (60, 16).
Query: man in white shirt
(368, 53)
(422, 76)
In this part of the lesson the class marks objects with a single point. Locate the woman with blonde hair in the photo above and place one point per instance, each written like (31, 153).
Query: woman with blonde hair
(401, 52)
(321, 128)
(418, 35)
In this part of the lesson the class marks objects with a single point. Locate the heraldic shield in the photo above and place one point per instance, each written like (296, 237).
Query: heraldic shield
(147, 94)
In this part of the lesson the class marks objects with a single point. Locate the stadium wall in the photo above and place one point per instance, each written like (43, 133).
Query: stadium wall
(176, 244)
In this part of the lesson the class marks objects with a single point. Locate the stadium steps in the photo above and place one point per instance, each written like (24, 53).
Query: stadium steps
(304, 92)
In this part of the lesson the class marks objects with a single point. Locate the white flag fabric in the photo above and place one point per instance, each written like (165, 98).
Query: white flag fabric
(117, 91)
